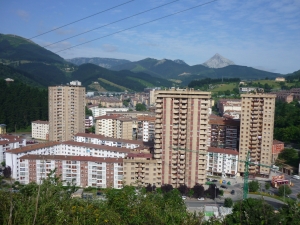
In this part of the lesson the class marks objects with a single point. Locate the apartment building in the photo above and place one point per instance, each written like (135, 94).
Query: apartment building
(84, 171)
(2, 128)
(141, 169)
(97, 111)
(8, 142)
(114, 126)
(223, 132)
(222, 161)
(66, 111)
(180, 135)
(256, 131)
(114, 142)
(228, 105)
(40, 129)
(105, 101)
(63, 149)
(145, 128)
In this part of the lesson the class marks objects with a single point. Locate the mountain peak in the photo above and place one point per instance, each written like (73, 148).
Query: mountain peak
(218, 61)
(179, 61)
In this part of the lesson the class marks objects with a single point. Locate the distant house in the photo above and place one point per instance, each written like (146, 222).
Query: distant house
(247, 89)
(280, 79)
(2, 128)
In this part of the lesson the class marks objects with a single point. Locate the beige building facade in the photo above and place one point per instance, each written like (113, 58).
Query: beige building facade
(256, 131)
(40, 129)
(66, 111)
(181, 135)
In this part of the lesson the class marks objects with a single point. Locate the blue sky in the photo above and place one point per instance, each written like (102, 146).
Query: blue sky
(263, 34)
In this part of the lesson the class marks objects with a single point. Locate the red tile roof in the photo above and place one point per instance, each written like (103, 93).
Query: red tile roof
(222, 150)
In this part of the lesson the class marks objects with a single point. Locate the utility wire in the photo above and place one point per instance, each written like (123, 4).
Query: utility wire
(81, 19)
(111, 23)
(206, 3)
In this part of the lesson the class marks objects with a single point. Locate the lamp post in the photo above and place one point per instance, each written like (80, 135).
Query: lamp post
(215, 194)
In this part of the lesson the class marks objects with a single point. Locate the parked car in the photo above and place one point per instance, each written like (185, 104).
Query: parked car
(232, 192)
(296, 177)
(223, 186)
(201, 199)
(214, 180)
(183, 197)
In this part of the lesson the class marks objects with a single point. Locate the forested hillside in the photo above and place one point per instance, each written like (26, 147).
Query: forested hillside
(20, 104)
(287, 122)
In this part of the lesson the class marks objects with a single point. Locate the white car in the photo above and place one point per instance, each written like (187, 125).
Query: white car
(201, 199)
(183, 197)
(296, 177)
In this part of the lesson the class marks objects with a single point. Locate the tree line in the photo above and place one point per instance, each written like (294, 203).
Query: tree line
(21, 104)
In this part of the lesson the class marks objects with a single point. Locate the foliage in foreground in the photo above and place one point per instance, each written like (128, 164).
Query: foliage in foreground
(51, 203)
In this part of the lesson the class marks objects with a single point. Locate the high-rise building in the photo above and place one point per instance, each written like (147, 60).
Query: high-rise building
(180, 135)
(66, 111)
(256, 131)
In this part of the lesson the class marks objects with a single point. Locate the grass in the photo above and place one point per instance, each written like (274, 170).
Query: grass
(142, 82)
(224, 87)
(113, 84)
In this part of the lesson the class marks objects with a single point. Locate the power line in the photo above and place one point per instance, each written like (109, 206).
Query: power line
(111, 23)
(81, 19)
(206, 3)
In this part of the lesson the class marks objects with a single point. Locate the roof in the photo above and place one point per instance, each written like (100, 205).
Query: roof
(104, 147)
(276, 142)
(30, 148)
(73, 158)
(104, 138)
(145, 117)
(214, 119)
(3, 142)
(11, 138)
(223, 151)
(112, 117)
(139, 155)
(40, 122)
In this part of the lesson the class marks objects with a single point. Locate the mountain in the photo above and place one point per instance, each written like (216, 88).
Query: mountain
(176, 70)
(179, 61)
(218, 61)
(103, 62)
(117, 80)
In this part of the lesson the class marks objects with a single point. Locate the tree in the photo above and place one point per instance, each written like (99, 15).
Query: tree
(7, 172)
(298, 195)
(166, 188)
(140, 107)
(183, 189)
(198, 191)
(267, 186)
(150, 188)
(253, 186)
(213, 191)
(88, 112)
(3, 163)
(284, 190)
(252, 211)
(228, 202)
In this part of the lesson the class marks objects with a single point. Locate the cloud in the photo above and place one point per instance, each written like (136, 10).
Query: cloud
(23, 14)
(109, 48)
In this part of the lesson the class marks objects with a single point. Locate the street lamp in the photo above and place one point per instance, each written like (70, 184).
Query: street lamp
(215, 194)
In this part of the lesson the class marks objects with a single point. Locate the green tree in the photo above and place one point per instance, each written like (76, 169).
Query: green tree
(140, 107)
(252, 211)
(290, 214)
(253, 186)
(284, 190)
(267, 185)
(3, 164)
(88, 112)
(228, 202)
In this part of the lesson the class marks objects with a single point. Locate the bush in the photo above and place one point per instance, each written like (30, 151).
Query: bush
(253, 186)
(267, 186)
(284, 190)
(228, 202)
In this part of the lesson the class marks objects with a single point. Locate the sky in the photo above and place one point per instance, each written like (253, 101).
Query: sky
(264, 34)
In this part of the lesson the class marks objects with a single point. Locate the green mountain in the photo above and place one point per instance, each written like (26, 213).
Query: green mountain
(169, 69)
(30, 63)
(89, 73)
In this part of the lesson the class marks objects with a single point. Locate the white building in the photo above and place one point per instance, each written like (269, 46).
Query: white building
(222, 161)
(8, 142)
(84, 171)
(102, 140)
(102, 111)
(40, 129)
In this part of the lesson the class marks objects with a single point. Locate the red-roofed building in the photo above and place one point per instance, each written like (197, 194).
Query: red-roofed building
(277, 147)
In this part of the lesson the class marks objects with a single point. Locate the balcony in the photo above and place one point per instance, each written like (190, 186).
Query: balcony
(158, 126)
(176, 101)
(175, 132)
(157, 156)
(181, 181)
(157, 146)
(183, 111)
(183, 101)
(183, 106)
(157, 151)
(176, 106)
(157, 141)
(182, 152)
(182, 116)
(182, 136)
(158, 111)
(174, 176)
(158, 131)
(158, 136)
(158, 105)
(182, 157)
(183, 122)
(175, 117)
(183, 142)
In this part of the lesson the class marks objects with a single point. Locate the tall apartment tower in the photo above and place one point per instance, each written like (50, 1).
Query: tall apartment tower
(66, 111)
(256, 131)
(180, 135)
